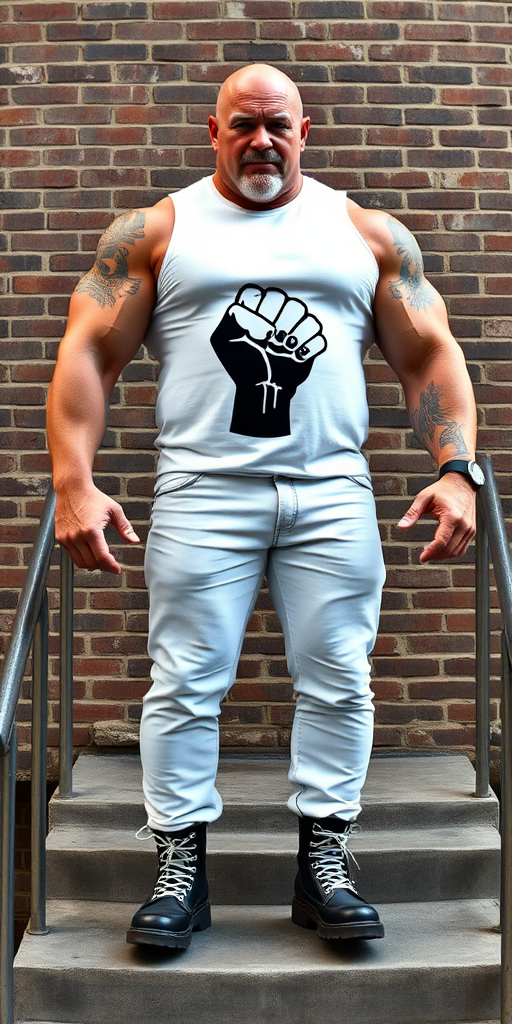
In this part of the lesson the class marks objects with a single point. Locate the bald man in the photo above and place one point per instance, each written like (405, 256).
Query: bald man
(259, 291)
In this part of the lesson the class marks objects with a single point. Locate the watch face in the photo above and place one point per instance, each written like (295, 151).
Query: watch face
(476, 474)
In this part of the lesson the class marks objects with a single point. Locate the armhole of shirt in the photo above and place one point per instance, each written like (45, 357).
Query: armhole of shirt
(360, 237)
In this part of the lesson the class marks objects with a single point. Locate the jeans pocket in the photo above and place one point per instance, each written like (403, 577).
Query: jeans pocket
(363, 481)
(178, 482)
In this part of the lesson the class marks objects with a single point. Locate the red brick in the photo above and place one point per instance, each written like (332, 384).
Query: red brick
(400, 9)
(20, 33)
(328, 51)
(43, 285)
(221, 29)
(494, 76)
(361, 31)
(43, 95)
(401, 52)
(472, 12)
(434, 32)
(44, 179)
(474, 97)
(195, 9)
(400, 137)
(150, 30)
(185, 51)
(473, 54)
(43, 136)
(494, 33)
(19, 158)
(38, 12)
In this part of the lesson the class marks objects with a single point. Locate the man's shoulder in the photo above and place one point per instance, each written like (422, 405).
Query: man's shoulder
(376, 227)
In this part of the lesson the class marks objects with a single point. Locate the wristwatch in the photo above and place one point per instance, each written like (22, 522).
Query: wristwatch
(469, 469)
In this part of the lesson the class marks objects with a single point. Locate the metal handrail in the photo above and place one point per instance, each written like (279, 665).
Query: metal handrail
(492, 537)
(24, 627)
(30, 632)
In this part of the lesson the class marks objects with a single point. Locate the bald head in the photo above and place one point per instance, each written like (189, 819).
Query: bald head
(258, 134)
(259, 80)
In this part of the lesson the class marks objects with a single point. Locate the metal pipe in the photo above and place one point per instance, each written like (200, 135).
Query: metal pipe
(498, 542)
(506, 836)
(8, 781)
(483, 673)
(37, 924)
(13, 667)
(66, 675)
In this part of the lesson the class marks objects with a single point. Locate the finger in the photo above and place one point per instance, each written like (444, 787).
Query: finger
(311, 349)
(441, 545)
(250, 295)
(292, 312)
(304, 332)
(271, 304)
(251, 323)
(75, 554)
(123, 525)
(414, 512)
(101, 553)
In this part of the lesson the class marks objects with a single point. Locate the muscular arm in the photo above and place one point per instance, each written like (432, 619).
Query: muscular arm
(109, 314)
(415, 338)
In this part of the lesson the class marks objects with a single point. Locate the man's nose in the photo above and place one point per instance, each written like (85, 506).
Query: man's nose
(261, 139)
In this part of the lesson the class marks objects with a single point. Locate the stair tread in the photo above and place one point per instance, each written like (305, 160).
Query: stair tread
(91, 936)
(463, 837)
(390, 779)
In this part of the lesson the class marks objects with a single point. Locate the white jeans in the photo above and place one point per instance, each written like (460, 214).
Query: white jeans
(210, 543)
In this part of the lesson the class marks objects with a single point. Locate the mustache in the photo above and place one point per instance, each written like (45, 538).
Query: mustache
(269, 156)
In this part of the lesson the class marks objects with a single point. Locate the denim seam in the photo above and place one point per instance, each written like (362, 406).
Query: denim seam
(294, 655)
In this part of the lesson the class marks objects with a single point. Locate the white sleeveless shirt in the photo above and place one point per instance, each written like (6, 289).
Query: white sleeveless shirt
(261, 323)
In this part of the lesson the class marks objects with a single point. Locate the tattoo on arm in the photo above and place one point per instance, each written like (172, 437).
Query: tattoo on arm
(109, 280)
(411, 284)
(431, 415)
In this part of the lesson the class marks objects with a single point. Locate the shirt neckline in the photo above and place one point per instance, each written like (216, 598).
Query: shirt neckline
(254, 213)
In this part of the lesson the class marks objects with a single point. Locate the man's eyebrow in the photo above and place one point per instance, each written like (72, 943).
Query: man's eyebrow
(246, 116)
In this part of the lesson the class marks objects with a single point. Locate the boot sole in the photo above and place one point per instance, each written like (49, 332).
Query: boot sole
(306, 917)
(174, 940)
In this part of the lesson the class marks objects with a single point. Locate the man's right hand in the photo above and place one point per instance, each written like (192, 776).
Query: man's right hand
(81, 518)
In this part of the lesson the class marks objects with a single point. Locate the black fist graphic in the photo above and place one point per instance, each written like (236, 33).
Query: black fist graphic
(267, 342)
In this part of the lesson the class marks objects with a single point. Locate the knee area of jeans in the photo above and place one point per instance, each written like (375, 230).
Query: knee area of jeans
(184, 702)
(344, 704)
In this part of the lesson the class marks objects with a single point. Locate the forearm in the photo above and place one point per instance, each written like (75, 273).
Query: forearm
(75, 416)
(441, 405)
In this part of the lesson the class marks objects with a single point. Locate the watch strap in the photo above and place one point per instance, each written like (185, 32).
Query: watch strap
(454, 466)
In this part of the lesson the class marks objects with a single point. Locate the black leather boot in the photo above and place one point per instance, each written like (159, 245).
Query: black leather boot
(179, 904)
(325, 895)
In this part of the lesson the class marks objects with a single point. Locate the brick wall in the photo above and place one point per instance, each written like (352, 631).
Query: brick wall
(103, 108)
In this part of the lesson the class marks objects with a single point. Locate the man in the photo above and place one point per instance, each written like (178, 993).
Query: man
(259, 291)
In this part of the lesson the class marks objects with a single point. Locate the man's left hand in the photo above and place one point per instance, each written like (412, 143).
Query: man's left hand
(452, 500)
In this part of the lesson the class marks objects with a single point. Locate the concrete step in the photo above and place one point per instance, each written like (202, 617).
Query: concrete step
(396, 865)
(439, 962)
(400, 792)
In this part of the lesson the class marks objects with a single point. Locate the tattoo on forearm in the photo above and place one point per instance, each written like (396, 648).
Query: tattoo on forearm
(411, 284)
(431, 415)
(108, 280)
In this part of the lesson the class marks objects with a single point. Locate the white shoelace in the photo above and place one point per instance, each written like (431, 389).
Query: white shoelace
(330, 858)
(176, 870)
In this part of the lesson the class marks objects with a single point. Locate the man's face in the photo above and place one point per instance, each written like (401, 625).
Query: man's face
(258, 136)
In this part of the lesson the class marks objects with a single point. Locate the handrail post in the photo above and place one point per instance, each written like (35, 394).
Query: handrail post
(66, 675)
(8, 795)
(482, 653)
(506, 835)
(37, 924)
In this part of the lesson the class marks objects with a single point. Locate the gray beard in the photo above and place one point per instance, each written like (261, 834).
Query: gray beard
(261, 188)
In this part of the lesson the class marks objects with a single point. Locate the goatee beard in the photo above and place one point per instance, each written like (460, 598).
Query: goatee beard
(261, 188)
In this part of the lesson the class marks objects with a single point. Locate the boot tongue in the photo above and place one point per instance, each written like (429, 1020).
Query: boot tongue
(333, 824)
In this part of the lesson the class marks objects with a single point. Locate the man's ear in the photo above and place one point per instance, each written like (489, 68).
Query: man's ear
(304, 132)
(213, 128)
